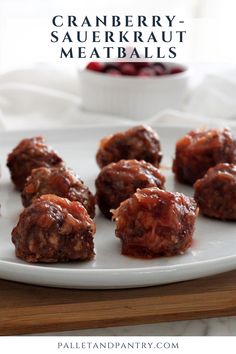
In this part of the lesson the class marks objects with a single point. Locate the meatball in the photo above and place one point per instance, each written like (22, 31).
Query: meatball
(140, 143)
(59, 181)
(119, 180)
(53, 229)
(215, 193)
(29, 154)
(201, 149)
(154, 223)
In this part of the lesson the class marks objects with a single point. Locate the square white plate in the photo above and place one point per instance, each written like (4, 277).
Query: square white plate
(213, 250)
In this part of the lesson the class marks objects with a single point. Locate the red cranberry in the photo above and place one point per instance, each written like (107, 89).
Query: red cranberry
(112, 65)
(147, 72)
(176, 70)
(160, 65)
(159, 71)
(95, 66)
(128, 69)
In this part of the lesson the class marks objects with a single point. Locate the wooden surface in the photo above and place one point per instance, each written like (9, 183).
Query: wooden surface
(31, 309)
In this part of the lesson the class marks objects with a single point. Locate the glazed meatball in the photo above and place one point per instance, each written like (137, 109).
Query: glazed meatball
(139, 143)
(199, 150)
(29, 154)
(59, 181)
(119, 180)
(53, 229)
(154, 223)
(215, 193)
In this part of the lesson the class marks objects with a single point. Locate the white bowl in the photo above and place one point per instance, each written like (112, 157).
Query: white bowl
(133, 96)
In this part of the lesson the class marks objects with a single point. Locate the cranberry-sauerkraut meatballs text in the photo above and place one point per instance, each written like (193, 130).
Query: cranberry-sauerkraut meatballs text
(139, 143)
(53, 229)
(118, 181)
(199, 150)
(215, 193)
(29, 154)
(154, 222)
(59, 181)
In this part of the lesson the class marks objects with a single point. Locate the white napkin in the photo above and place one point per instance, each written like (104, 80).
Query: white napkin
(45, 97)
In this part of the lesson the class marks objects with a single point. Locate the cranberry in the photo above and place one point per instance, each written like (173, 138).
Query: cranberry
(160, 65)
(95, 66)
(111, 65)
(128, 69)
(141, 64)
(176, 70)
(159, 71)
(147, 72)
(113, 72)
(118, 64)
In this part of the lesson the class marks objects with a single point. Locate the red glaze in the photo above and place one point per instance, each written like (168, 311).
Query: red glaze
(54, 229)
(29, 154)
(139, 143)
(153, 223)
(199, 150)
(60, 181)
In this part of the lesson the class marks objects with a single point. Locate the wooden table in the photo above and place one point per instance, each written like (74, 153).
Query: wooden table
(32, 309)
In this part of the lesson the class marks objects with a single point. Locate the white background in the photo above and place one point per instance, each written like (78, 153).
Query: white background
(25, 27)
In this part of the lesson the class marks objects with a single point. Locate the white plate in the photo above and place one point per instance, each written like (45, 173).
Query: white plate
(213, 251)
